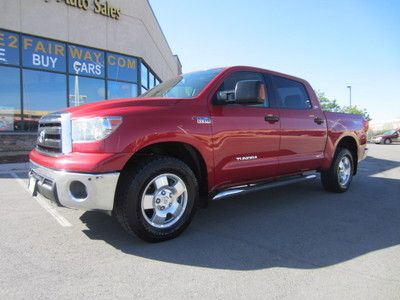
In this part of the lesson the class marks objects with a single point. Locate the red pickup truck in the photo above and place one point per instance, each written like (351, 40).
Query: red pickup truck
(153, 160)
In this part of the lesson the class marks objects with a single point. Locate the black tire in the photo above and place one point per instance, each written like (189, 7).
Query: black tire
(387, 141)
(330, 178)
(128, 208)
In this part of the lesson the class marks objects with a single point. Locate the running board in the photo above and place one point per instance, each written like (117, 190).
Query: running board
(262, 186)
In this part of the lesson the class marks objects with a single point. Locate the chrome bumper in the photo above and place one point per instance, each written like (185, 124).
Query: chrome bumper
(74, 190)
(364, 156)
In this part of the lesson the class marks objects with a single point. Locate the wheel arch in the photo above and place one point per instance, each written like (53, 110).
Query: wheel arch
(180, 150)
(349, 143)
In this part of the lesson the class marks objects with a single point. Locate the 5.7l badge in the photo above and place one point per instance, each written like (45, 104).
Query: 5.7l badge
(203, 120)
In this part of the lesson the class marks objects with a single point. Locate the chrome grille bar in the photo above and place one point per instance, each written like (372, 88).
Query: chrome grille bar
(54, 134)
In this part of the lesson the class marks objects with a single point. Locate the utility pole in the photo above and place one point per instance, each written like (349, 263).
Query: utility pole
(349, 87)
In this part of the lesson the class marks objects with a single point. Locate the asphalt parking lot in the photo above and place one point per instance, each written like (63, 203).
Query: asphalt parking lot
(292, 242)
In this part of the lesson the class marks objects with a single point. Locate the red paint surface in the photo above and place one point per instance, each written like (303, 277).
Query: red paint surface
(295, 143)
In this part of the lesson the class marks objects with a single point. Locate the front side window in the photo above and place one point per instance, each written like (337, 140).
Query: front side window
(290, 94)
(227, 88)
(184, 86)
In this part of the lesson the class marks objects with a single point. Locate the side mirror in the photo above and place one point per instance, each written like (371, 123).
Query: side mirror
(250, 92)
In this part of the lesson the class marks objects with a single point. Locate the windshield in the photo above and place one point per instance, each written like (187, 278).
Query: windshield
(184, 86)
(390, 132)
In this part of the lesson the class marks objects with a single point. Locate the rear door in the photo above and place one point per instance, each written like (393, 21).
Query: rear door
(303, 127)
(245, 137)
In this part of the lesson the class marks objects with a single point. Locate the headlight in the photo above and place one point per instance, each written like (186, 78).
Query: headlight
(94, 129)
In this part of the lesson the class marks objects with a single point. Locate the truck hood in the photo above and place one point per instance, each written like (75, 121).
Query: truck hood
(102, 107)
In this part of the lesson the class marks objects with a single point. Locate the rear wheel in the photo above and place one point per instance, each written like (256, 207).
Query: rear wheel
(158, 199)
(338, 178)
(388, 141)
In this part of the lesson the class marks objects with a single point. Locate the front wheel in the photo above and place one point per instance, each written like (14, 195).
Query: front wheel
(388, 141)
(338, 178)
(158, 199)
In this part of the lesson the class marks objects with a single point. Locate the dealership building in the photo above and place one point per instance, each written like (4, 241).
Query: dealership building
(61, 53)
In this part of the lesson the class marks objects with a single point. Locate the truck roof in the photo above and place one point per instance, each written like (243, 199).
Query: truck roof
(256, 69)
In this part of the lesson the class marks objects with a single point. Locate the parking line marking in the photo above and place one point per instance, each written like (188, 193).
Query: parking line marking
(43, 203)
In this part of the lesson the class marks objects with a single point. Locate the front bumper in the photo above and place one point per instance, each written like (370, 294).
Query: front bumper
(74, 190)
(364, 154)
(376, 140)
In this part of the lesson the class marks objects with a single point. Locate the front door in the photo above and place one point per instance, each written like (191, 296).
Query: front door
(245, 137)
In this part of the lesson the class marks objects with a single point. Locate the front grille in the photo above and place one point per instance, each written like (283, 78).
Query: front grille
(54, 134)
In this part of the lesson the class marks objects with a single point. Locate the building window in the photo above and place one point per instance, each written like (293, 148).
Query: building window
(44, 92)
(57, 74)
(118, 90)
(10, 96)
(83, 90)
(121, 67)
(145, 76)
(151, 81)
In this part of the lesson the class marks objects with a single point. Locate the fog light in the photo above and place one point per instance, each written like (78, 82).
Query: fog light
(78, 190)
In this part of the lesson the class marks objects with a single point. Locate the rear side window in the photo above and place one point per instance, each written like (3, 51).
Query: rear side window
(290, 94)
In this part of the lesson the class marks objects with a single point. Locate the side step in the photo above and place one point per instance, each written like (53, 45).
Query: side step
(262, 186)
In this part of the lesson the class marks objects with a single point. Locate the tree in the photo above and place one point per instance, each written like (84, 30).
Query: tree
(332, 105)
(357, 111)
(327, 104)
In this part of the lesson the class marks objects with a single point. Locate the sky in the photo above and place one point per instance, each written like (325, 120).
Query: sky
(331, 44)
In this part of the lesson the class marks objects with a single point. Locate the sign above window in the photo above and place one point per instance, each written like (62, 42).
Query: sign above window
(86, 61)
(100, 7)
(121, 67)
(9, 48)
(43, 54)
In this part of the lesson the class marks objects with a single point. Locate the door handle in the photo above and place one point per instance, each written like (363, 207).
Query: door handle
(271, 118)
(319, 120)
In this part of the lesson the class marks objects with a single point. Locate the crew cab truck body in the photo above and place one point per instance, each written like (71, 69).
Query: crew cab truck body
(153, 160)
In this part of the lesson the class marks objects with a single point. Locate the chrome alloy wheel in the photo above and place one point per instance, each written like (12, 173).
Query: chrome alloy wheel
(164, 200)
(344, 171)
